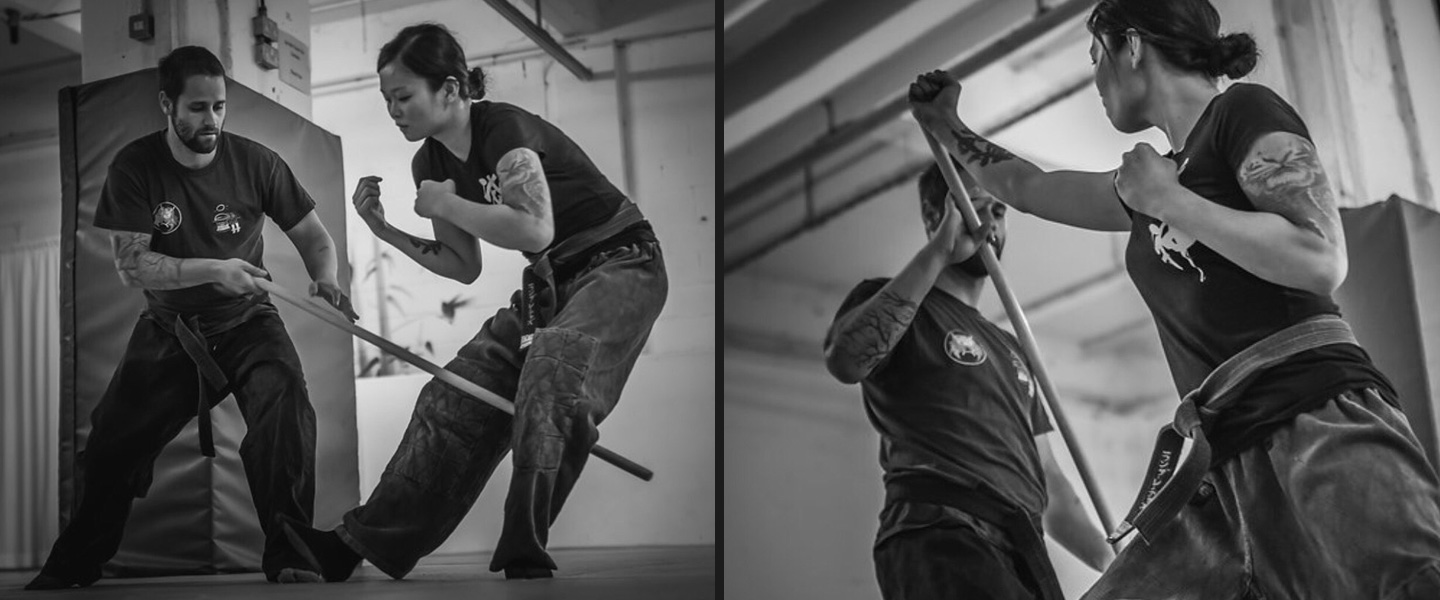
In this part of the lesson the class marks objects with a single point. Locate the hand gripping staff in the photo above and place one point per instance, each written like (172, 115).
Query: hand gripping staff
(323, 312)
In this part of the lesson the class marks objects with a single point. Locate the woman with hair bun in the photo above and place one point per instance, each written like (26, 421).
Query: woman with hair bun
(563, 349)
(1304, 479)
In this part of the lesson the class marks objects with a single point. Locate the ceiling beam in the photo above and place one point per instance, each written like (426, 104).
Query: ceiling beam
(754, 21)
(805, 42)
(63, 31)
(542, 39)
(859, 50)
(741, 251)
(860, 89)
(846, 133)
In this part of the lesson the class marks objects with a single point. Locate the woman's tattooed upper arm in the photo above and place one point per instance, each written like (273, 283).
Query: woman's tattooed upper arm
(522, 182)
(1282, 174)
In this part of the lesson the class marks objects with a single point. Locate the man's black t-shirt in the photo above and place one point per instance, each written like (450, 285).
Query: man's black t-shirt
(211, 212)
(955, 401)
(1208, 309)
(580, 195)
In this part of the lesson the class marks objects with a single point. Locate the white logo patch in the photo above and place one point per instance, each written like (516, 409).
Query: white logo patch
(963, 348)
(491, 185)
(1168, 239)
(226, 221)
(167, 218)
(1023, 374)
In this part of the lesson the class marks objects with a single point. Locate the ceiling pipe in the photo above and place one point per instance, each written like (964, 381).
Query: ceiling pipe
(906, 174)
(1043, 23)
(542, 39)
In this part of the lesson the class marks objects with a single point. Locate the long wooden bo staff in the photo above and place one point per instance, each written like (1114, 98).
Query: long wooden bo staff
(323, 312)
(1022, 328)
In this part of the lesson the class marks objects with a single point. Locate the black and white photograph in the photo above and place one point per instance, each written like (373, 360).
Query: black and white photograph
(358, 299)
(1098, 299)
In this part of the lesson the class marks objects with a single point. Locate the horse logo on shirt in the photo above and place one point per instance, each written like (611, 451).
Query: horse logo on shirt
(491, 186)
(963, 348)
(167, 218)
(1168, 239)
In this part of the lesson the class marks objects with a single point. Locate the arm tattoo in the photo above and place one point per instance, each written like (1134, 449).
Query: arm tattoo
(138, 263)
(1283, 175)
(425, 246)
(522, 182)
(872, 334)
(978, 149)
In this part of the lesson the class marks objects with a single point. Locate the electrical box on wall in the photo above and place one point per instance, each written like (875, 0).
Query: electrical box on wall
(142, 26)
(266, 32)
(267, 56)
(265, 28)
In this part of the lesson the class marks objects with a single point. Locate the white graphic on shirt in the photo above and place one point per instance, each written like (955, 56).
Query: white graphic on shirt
(963, 348)
(492, 188)
(1023, 374)
(167, 218)
(1168, 239)
(226, 221)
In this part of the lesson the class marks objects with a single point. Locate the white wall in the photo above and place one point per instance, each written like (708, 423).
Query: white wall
(665, 420)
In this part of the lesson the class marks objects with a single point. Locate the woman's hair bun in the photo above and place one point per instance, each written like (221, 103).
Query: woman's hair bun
(1234, 55)
(475, 81)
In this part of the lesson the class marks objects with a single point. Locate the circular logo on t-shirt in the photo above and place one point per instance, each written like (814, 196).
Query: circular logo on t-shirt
(167, 218)
(963, 348)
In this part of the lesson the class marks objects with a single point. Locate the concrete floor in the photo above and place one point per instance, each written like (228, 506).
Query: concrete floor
(591, 573)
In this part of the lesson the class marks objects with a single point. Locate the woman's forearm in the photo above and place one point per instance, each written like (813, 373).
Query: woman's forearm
(433, 255)
(498, 224)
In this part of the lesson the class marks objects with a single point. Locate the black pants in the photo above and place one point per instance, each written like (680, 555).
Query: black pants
(943, 562)
(150, 399)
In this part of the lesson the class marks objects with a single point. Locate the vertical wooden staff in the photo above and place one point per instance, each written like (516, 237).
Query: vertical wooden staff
(1022, 329)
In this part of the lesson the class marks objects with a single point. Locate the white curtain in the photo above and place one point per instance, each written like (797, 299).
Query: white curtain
(29, 401)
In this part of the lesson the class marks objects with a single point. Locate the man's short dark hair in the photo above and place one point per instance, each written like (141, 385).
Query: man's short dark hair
(184, 62)
(933, 188)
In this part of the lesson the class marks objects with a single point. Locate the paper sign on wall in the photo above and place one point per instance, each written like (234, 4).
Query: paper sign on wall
(294, 62)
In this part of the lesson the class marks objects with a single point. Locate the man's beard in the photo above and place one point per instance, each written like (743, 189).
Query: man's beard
(192, 140)
(975, 265)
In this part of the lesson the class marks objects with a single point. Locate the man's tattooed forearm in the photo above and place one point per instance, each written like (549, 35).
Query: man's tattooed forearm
(979, 149)
(158, 269)
(425, 246)
(873, 333)
(137, 263)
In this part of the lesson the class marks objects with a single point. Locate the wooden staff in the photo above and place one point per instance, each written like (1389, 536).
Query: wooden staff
(1022, 328)
(460, 383)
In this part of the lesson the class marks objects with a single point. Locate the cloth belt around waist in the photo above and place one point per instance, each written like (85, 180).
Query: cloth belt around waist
(1166, 488)
(187, 329)
(538, 281)
(1020, 527)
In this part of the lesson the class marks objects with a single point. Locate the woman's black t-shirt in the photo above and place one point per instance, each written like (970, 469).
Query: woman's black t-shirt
(580, 195)
(1208, 309)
